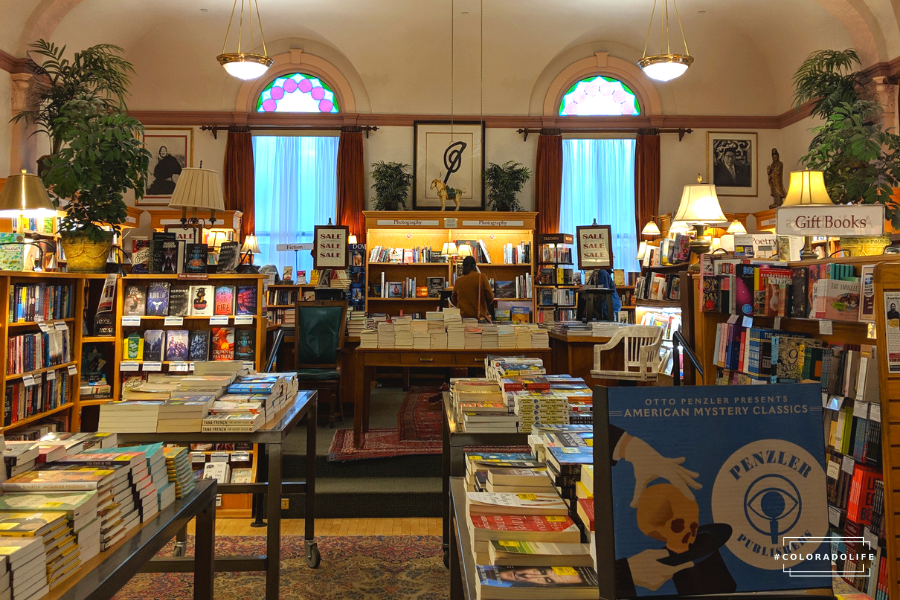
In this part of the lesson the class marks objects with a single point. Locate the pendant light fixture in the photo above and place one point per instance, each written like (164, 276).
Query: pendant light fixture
(245, 65)
(665, 66)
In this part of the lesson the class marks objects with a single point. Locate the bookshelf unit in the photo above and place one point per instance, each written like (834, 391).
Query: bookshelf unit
(423, 229)
(885, 408)
(555, 251)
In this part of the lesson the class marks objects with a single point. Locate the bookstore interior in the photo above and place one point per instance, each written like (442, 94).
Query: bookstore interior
(623, 324)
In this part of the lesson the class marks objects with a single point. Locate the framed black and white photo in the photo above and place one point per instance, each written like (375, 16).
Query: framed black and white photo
(171, 150)
(450, 156)
(731, 163)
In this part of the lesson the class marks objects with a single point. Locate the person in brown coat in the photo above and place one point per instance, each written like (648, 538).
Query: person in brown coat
(472, 292)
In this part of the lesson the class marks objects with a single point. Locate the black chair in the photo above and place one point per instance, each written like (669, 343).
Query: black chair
(318, 340)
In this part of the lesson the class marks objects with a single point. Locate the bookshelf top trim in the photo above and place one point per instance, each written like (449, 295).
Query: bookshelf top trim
(435, 219)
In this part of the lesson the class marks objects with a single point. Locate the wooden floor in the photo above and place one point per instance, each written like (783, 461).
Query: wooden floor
(325, 527)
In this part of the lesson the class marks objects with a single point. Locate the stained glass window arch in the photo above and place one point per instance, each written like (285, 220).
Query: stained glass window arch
(297, 92)
(599, 95)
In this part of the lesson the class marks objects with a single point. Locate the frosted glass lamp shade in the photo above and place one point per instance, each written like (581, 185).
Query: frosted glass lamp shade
(465, 250)
(24, 195)
(807, 187)
(449, 249)
(651, 228)
(699, 204)
(737, 227)
(245, 65)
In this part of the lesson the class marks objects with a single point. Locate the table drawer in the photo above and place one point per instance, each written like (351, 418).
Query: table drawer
(471, 360)
(427, 359)
(381, 359)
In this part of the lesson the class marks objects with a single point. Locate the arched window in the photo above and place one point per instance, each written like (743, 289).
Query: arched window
(297, 92)
(599, 96)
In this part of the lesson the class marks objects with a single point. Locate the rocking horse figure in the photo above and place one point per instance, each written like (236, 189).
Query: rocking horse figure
(441, 188)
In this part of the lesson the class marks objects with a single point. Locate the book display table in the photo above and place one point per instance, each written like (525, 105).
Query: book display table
(453, 460)
(105, 574)
(271, 437)
(371, 358)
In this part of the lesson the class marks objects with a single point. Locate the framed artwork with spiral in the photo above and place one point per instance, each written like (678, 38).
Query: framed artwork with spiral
(448, 165)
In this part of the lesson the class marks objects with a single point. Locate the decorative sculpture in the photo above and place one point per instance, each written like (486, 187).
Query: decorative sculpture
(441, 187)
(775, 171)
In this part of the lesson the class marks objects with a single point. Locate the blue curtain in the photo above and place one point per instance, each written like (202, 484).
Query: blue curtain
(598, 183)
(296, 189)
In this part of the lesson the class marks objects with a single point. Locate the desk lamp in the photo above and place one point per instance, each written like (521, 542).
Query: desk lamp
(699, 207)
(807, 187)
(249, 248)
(24, 196)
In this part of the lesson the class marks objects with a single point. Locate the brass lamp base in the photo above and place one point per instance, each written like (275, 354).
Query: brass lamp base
(698, 246)
(807, 253)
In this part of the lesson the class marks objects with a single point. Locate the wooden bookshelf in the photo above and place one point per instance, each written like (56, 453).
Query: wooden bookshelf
(410, 229)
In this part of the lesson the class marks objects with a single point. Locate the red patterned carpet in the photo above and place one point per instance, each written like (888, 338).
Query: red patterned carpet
(402, 567)
(378, 443)
(420, 418)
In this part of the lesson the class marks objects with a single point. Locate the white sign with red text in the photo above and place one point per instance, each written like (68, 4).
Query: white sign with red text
(836, 220)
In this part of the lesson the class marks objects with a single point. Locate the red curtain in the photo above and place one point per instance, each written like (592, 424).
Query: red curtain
(351, 177)
(548, 181)
(240, 185)
(646, 178)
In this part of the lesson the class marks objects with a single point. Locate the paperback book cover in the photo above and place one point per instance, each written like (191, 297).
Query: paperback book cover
(245, 344)
(154, 341)
(140, 255)
(224, 300)
(158, 299)
(222, 343)
(246, 300)
(177, 345)
(520, 314)
(195, 258)
(745, 474)
(199, 345)
(536, 582)
(202, 300)
(179, 300)
(135, 302)
(133, 348)
(169, 257)
(229, 257)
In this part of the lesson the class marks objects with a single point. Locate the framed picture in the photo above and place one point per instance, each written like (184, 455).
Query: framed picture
(330, 247)
(452, 156)
(731, 163)
(171, 149)
(594, 247)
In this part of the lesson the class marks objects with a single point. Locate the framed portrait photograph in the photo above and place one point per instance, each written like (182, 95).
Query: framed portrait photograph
(731, 163)
(448, 156)
(594, 247)
(171, 150)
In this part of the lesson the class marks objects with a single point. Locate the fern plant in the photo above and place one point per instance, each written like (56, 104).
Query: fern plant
(504, 183)
(858, 156)
(392, 181)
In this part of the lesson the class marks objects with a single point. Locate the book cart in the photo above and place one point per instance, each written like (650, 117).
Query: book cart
(429, 229)
(883, 409)
(232, 505)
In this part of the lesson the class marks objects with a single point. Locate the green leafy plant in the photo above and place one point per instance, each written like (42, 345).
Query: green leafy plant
(504, 184)
(97, 72)
(858, 155)
(392, 181)
(101, 158)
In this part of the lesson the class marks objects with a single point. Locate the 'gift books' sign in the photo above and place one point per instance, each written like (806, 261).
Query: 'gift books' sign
(330, 247)
(831, 220)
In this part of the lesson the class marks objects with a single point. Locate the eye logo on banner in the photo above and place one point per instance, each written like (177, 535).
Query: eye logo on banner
(757, 492)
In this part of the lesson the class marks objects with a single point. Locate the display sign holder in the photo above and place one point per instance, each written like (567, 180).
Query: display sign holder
(330, 247)
(594, 247)
(604, 526)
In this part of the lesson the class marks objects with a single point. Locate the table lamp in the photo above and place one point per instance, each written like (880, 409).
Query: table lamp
(249, 248)
(449, 249)
(807, 187)
(198, 189)
(651, 229)
(24, 196)
(736, 228)
(351, 239)
(699, 207)
(679, 227)
(465, 250)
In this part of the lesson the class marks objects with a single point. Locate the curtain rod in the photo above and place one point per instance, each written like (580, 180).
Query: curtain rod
(215, 128)
(681, 131)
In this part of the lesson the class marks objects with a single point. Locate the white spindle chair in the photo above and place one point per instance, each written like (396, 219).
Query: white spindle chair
(640, 344)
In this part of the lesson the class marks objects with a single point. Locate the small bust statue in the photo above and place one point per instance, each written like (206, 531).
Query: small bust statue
(775, 171)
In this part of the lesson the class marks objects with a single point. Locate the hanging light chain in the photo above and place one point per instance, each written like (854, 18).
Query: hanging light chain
(681, 28)
(649, 27)
(227, 31)
(263, 35)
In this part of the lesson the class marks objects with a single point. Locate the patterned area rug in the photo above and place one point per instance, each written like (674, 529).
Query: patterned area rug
(402, 567)
(377, 443)
(419, 418)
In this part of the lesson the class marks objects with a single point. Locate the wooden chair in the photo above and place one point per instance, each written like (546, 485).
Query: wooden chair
(640, 344)
(318, 340)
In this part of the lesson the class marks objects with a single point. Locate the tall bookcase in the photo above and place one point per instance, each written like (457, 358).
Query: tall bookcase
(554, 251)
(411, 229)
(849, 334)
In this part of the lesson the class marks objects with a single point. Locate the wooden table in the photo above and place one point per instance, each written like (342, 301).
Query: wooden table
(370, 359)
(463, 573)
(271, 436)
(575, 356)
(108, 572)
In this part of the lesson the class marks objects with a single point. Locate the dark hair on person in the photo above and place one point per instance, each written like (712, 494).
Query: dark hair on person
(468, 265)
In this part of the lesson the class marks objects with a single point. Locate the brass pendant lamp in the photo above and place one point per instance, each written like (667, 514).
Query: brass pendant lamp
(666, 65)
(245, 65)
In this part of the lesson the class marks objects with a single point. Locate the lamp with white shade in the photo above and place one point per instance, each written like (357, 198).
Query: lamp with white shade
(198, 189)
(736, 228)
(806, 188)
(699, 207)
(250, 247)
(651, 229)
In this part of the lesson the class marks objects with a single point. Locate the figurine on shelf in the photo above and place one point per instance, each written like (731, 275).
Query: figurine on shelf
(775, 171)
(441, 187)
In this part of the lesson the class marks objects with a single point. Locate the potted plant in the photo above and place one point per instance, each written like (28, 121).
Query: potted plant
(858, 155)
(95, 150)
(504, 184)
(392, 181)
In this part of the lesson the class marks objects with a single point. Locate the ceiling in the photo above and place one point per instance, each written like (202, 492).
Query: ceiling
(397, 53)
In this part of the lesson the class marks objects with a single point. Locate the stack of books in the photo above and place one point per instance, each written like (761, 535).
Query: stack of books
(19, 457)
(523, 336)
(421, 334)
(181, 416)
(356, 322)
(178, 468)
(368, 338)
(79, 508)
(25, 567)
(472, 334)
(148, 472)
(385, 335)
(479, 406)
(130, 417)
(403, 337)
(52, 528)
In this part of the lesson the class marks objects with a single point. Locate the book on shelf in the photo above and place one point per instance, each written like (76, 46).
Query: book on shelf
(246, 300)
(196, 258)
(228, 258)
(202, 300)
(222, 343)
(179, 300)
(224, 300)
(198, 341)
(135, 300)
(158, 299)
(177, 345)
(541, 583)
